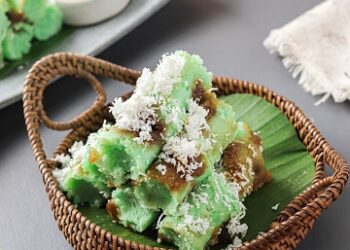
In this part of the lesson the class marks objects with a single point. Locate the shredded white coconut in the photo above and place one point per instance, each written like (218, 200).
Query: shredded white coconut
(234, 188)
(226, 195)
(235, 228)
(60, 174)
(275, 207)
(236, 231)
(199, 199)
(63, 159)
(196, 120)
(161, 81)
(181, 151)
(136, 114)
(237, 242)
(161, 168)
(252, 149)
(180, 148)
(172, 115)
(161, 216)
(184, 208)
(76, 152)
(196, 225)
(140, 112)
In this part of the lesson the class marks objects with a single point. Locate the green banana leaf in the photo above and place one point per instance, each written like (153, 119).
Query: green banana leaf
(291, 166)
(38, 50)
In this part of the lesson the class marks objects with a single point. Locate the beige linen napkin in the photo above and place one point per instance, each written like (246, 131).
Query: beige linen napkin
(316, 48)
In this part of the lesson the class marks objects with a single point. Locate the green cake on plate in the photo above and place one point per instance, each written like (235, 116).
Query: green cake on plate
(23, 22)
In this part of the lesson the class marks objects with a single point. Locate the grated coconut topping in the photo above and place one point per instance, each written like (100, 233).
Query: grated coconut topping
(201, 197)
(275, 207)
(161, 168)
(76, 152)
(196, 225)
(196, 120)
(237, 231)
(181, 151)
(140, 112)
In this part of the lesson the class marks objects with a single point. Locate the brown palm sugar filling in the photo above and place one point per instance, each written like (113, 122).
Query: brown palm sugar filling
(262, 175)
(234, 157)
(215, 237)
(15, 17)
(112, 210)
(205, 98)
(235, 154)
(173, 179)
(157, 131)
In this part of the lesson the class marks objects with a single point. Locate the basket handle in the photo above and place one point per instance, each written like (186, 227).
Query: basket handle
(83, 117)
(60, 64)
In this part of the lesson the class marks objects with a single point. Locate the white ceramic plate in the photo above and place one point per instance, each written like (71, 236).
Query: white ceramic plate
(86, 12)
(87, 40)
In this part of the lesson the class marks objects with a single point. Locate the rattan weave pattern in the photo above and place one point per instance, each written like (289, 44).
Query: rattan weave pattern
(289, 228)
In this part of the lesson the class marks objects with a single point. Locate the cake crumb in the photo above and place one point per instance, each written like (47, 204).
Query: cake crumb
(161, 168)
(275, 207)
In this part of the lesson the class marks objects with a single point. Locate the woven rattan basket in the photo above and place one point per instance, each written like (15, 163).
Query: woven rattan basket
(289, 228)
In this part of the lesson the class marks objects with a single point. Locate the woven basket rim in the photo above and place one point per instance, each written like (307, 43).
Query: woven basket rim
(290, 226)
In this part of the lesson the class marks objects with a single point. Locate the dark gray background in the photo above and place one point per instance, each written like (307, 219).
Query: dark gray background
(228, 35)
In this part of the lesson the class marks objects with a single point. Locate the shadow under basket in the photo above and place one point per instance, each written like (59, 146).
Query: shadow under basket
(286, 231)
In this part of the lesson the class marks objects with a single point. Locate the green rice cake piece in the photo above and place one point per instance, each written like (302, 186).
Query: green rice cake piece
(112, 147)
(14, 5)
(166, 191)
(133, 144)
(223, 128)
(83, 184)
(82, 188)
(126, 210)
(169, 183)
(208, 206)
(4, 24)
(34, 10)
(49, 24)
(17, 41)
(243, 162)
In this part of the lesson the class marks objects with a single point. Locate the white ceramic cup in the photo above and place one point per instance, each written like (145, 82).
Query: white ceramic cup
(87, 12)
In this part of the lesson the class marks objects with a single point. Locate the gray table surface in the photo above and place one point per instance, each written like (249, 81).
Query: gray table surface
(228, 35)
